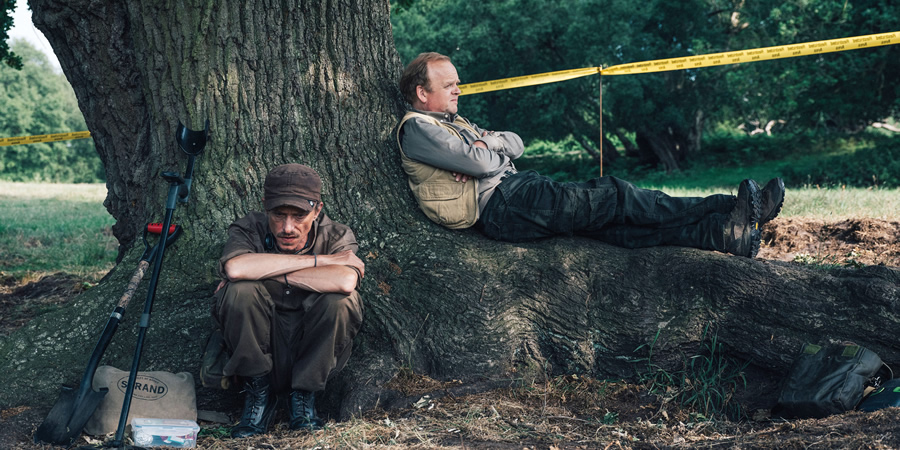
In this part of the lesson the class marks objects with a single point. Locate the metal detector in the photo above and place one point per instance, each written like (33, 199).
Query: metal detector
(192, 143)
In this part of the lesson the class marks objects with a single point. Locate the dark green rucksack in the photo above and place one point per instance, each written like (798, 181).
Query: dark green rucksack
(826, 380)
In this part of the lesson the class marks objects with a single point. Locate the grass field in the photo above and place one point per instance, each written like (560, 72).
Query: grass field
(809, 201)
(47, 228)
(825, 204)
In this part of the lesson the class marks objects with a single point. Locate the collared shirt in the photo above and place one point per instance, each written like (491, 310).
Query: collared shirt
(431, 144)
(248, 235)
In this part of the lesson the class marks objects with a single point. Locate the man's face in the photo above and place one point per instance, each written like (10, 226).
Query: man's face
(291, 226)
(442, 94)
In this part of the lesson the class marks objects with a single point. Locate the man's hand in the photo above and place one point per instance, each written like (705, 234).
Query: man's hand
(461, 177)
(345, 258)
(317, 273)
(482, 144)
(333, 273)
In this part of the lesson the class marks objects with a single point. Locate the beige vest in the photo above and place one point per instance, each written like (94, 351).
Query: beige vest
(444, 200)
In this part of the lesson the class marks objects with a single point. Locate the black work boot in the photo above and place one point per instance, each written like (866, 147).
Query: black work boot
(772, 200)
(303, 411)
(742, 227)
(259, 409)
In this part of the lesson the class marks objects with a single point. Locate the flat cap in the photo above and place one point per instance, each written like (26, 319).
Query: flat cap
(292, 185)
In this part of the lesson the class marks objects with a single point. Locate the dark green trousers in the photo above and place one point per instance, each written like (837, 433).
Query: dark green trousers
(298, 338)
(528, 206)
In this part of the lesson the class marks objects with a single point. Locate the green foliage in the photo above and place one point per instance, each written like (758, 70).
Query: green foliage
(706, 383)
(846, 90)
(875, 164)
(563, 160)
(7, 7)
(734, 149)
(489, 40)
(215, 432)
(610, 418)
(37, 100)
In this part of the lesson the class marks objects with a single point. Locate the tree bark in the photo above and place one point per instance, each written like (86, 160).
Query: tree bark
(316, 83)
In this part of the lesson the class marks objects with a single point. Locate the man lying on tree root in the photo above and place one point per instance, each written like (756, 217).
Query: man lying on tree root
(289, 309)
(462, 176)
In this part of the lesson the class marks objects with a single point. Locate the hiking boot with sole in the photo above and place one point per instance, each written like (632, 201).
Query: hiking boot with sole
(741, 230)
(772, 200)
(259, 409)
(302, 408)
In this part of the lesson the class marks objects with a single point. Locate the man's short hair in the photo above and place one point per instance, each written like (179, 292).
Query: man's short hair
(416, 74)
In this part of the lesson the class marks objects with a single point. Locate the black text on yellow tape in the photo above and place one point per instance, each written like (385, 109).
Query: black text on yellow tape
(44, 138)
(692, 62)
(758, 54)
(527, 80)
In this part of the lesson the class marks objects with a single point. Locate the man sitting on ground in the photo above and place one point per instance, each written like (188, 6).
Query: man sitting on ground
(289, 308)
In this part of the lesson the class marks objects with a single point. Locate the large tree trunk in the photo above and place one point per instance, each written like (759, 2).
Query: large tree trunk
(315, 83)
(308, 82)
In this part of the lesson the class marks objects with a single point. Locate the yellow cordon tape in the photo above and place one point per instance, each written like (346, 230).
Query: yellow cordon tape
(658, 65)
(44, 138)
(692, 62)
(759, 54)
(527, 80)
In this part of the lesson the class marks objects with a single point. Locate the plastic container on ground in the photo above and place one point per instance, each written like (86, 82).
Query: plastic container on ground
(176, 433)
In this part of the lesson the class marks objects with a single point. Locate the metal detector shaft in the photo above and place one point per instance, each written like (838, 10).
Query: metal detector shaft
(191, 143)
(145, 317)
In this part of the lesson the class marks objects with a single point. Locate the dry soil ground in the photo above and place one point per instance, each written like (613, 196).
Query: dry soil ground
(561, 413)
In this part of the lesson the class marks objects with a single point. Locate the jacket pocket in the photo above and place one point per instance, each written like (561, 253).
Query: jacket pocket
(448, 203)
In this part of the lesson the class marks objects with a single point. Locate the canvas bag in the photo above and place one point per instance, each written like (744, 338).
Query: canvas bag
(826, 380)
(157, 395)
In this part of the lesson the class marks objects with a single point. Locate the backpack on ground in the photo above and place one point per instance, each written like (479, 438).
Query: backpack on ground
(826, 380)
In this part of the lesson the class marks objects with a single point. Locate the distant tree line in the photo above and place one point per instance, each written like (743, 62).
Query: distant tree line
(660, 118)
(38, 100)
(6, 23)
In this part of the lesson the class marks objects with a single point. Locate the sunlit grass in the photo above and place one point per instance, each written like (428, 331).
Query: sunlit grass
(815, 203)
(836, 204)
(567, 163)
(55, 227)
(65, 227)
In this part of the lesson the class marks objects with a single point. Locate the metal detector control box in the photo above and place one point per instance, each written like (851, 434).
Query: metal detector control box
(176, 433)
